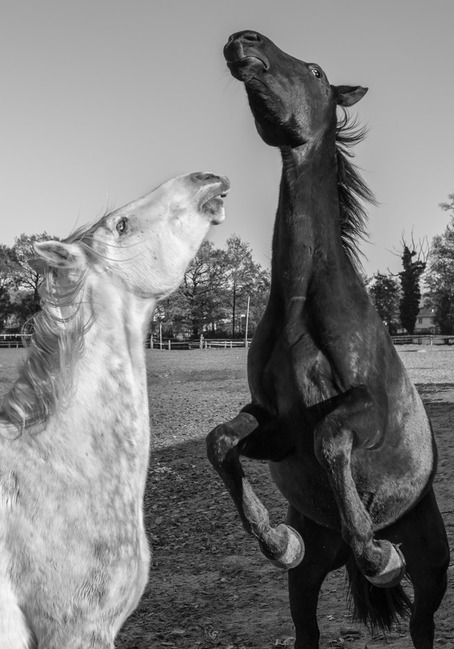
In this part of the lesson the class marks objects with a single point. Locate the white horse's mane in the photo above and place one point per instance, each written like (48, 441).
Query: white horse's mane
(46, 376)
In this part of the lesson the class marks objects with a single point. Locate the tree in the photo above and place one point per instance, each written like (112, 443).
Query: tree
(241, 275)
(203, 288)
(259, 298)
(440, 274)
(385, 294)
(216, 284)
(199, 302)
(169, 318)
(410, 278)
(5, 285)
(449, 206)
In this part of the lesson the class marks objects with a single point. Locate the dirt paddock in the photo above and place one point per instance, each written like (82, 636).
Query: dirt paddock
(209, 585)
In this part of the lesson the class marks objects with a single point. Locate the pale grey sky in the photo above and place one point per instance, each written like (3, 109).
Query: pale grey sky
(104, 99)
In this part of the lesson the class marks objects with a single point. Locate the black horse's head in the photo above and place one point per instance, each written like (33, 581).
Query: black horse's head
(292, 101)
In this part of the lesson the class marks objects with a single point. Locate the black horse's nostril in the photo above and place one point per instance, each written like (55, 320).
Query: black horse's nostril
(246, 36)
(250, 37)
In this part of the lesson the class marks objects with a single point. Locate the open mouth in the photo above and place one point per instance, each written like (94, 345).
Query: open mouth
(213, 206)
(246, 67)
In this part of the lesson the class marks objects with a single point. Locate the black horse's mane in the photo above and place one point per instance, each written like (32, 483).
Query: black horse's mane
(353, 191)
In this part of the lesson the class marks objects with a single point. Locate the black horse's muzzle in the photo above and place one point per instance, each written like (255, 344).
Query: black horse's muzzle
(244, 53)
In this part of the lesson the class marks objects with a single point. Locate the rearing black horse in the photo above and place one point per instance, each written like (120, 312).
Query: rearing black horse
(348, 440)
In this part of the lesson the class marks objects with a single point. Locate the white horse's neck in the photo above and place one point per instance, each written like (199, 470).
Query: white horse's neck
(88, 385)
(109, 400)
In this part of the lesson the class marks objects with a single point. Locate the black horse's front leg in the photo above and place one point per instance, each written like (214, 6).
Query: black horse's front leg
(282, 545)
(354, 421)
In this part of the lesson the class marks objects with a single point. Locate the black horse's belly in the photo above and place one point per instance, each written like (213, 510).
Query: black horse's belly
(304, 484)
(389, 481)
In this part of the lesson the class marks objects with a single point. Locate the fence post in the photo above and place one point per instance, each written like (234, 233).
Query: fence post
(170, 347)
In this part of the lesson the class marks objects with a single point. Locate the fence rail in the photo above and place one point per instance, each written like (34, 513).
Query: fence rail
(206, 343)
(214, 343)
(21, 340)
(423, 339)
(14, 340)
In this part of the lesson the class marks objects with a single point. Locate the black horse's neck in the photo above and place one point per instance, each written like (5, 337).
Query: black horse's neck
(307, 235)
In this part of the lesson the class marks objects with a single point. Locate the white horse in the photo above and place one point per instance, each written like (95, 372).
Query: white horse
(74, 428)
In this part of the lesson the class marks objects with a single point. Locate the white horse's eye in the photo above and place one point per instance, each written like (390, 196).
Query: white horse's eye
(122, 225)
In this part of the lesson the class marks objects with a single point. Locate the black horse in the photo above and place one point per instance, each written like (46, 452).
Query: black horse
(347, 438)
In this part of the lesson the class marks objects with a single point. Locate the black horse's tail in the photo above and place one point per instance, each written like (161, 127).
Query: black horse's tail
(376, 607)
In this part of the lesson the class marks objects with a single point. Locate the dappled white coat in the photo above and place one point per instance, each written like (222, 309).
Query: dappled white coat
(74, 429)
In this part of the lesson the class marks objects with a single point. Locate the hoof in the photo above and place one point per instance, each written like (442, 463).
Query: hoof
(293, 553)
(394, 570)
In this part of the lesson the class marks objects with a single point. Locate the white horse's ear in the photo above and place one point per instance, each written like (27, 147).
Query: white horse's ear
(60, 255)
(37, 264)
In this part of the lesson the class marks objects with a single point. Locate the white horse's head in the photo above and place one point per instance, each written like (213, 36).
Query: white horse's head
(147, 244)
(105, 280)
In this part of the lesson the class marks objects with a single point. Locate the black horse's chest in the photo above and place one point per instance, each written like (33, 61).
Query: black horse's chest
(295, 377)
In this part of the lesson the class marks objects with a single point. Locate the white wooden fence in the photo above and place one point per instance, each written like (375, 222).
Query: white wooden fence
(14, 340)
(21, 340)
(205, 343)
(426, 339)
(214, 343)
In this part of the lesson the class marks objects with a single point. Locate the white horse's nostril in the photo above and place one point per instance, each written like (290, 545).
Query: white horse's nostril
(201, 175)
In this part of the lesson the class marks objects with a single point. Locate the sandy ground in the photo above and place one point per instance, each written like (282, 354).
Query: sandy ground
(209, 584)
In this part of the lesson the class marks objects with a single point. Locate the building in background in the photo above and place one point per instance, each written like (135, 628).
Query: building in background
(425, 321)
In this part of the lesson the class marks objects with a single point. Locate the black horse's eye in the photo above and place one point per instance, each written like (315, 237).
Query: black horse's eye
(316, 72)
(122, 225)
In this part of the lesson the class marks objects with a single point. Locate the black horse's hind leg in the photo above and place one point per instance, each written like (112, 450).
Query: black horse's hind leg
(425, 545)
(281, 545)
(325, 551)
(356, 417)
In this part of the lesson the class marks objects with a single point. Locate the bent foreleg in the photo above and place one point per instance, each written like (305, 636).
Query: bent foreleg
(355, 418)
(282, 545)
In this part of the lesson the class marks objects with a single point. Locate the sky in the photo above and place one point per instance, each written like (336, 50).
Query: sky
(102, 100)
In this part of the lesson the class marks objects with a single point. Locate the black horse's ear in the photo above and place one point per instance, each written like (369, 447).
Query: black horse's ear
(349, 95)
